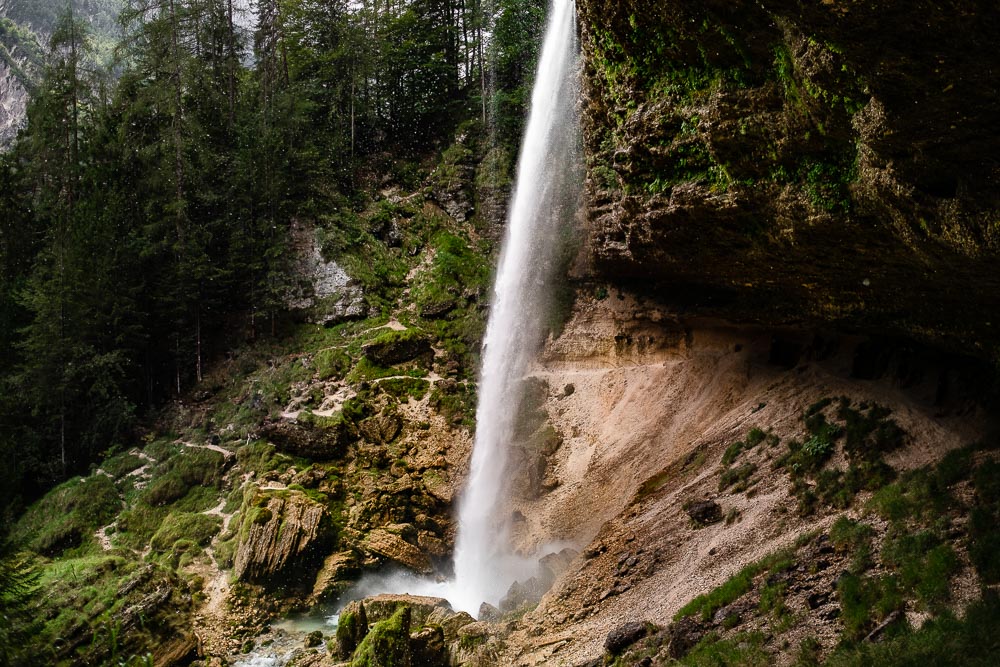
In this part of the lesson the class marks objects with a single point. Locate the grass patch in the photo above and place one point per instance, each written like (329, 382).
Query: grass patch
(745, 649)
(68, 515)
(198, 528)
(741, 583)
(973, 641)
(854, 538)
(405, 388)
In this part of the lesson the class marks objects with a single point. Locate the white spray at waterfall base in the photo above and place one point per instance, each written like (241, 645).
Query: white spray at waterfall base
(544, 200)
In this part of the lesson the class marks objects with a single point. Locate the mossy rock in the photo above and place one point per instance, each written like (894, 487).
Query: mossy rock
(394, 347)
(387, 643)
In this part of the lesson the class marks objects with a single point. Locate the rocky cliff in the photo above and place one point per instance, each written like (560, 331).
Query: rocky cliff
(789, 162)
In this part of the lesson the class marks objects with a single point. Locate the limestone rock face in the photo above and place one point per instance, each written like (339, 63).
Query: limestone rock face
(782, 162)
(325, 293)
(393, 547)
(282, 539)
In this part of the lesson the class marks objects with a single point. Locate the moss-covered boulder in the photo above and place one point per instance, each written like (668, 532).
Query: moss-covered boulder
(352, 627)
(394, 347)
(316, 438)
(387, 643)
(284, 536)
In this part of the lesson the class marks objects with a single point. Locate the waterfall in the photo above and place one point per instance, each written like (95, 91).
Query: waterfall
(545, 196)
(485, 564)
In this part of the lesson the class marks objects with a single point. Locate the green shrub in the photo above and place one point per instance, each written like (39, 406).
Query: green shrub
(943, 641)
(865, 601)
(738, 478)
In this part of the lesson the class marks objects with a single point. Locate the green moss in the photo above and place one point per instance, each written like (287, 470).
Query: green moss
(457, 404)
(387, 643)
(332, 363)
(198, 528)
(404, 388)
(189, 468)
(122, 464)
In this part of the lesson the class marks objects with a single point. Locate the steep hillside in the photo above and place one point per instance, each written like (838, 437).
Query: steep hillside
(333, 448)
(694, 454)
(25, 29)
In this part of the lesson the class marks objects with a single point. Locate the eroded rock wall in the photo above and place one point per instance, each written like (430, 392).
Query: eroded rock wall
(780, 161)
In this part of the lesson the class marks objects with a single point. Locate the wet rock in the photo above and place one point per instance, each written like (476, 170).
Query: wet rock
(704, 512)
(489, 613)
(337, 569)
(393, 547)
(314, 638)
(522, 594)
(624, 636)
(427, 647)
(352, 627)
(449, 621)
(381, 607)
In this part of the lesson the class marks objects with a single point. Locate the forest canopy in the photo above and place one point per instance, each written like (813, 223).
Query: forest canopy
(145, 208)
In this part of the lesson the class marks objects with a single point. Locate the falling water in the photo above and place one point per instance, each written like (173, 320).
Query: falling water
(545, 196)
(485, 564)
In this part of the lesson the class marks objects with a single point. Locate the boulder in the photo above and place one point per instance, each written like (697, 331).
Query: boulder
(624, 636)
(449, 621)
(427, 647)
(393, 547)
(282, 533)
(684, 635)
(381, 607)
(704, 512)
(352, 627)
(489, 613)
(387, 643)
(395, 347)
(337, 567)
(325, 440)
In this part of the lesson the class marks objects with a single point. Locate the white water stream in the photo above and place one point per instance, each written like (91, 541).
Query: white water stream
(485, 565)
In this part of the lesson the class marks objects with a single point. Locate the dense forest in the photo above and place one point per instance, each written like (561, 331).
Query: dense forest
(146, 205)
(246, 253)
